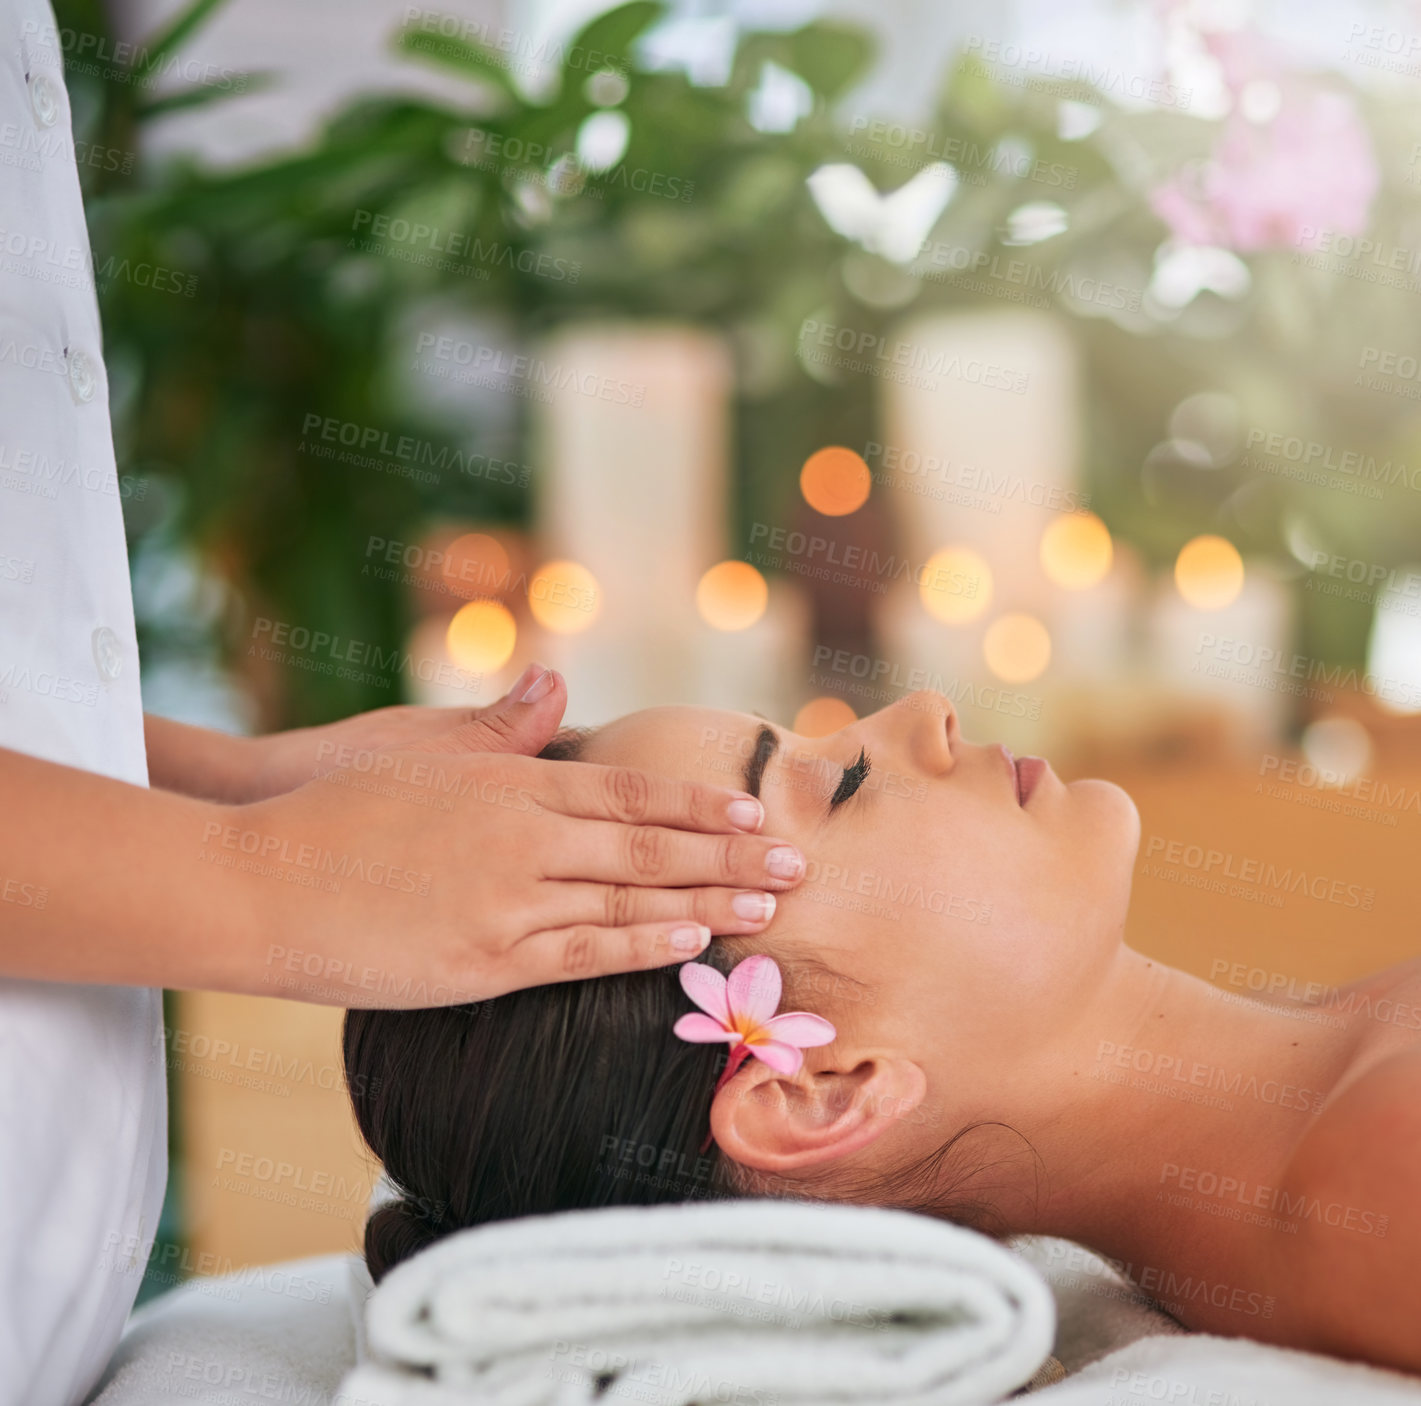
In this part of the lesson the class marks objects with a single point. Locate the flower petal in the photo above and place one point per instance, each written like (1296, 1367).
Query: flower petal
(706, 987)
(801, 1029)
(753, 990)
(782, 1058)
(701, 1029)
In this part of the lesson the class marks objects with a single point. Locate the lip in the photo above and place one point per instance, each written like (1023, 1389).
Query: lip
(1030, 773)
(1027, 774)
(1010, 760)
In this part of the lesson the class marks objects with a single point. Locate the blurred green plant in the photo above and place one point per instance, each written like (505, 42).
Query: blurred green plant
(283, 312)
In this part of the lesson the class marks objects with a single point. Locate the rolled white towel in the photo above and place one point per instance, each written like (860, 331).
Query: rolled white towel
(750, 1303)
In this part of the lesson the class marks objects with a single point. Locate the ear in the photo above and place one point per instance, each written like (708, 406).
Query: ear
(781, 1123)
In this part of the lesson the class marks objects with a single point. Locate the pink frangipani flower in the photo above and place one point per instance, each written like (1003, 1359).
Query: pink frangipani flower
(740, 1009)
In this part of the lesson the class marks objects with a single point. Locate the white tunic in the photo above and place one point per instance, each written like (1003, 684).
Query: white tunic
(83, 1120)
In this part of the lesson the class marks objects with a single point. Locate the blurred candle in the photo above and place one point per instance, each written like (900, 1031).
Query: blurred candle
(632, 445)
(764, 667)
(985, 439)
(982, 454)
(920, 651)
(1238, 656)
(1092, 625)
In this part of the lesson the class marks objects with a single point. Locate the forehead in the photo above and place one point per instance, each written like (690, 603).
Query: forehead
(686, 743)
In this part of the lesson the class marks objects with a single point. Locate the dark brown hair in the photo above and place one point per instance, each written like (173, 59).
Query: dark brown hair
(562, 1097)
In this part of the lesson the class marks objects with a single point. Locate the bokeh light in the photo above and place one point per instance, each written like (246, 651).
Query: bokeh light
(732, 595)
(835, 481)
(1209, 572)
(481, 636)
(563, 597)
(956, 585)
(821, 716)
(1339, 748)
(1076, 551)
(1394, 650)
(1017, 648)
(476, 565)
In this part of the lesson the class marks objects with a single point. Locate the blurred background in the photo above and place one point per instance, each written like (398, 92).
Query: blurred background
(786, 355)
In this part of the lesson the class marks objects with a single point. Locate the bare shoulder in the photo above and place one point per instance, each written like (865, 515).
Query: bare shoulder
(1351, 1190)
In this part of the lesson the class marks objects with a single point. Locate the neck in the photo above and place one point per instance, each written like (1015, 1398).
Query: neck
(1164, 1084)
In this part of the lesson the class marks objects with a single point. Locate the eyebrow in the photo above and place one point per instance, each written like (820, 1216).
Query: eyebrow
(766, 744)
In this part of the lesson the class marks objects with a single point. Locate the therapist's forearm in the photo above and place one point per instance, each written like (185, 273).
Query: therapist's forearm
(196, 761)
(105, 882)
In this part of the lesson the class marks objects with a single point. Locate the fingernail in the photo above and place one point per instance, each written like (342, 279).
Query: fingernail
(785, 862)
(539, 688)
(746, 813)
(523, 680)
(753, 907)
(691, 937)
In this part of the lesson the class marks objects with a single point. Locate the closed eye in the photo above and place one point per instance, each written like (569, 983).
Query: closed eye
(855, 774)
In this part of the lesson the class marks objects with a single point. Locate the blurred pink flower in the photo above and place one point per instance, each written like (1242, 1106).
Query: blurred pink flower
(1280, 182)
(1277, 184)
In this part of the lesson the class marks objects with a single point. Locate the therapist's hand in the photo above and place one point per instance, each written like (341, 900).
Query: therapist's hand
(523, 720)
(430, 876)
(434, 875)
(217, 766)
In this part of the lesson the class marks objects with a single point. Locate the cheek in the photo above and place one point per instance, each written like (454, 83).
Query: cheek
(1065, 878)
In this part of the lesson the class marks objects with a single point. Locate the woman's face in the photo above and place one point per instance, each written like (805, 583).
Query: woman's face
(967, 919)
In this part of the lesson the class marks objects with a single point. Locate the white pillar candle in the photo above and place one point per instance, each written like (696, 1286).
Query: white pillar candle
(1091, 628)
(921, 651)
(763, 668)
(1240, 657)
(632, 450)
(980, 448)
(990, 416)
(631, 435)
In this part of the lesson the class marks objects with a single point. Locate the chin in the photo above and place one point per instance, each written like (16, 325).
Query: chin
(1113, 817)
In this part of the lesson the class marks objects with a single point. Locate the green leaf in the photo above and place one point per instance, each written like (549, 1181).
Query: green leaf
(610, 37)
(187, 21)
(829, 57)
(200, 94)
(463, 56)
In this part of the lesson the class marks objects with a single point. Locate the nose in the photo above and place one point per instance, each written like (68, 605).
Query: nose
(922, 727)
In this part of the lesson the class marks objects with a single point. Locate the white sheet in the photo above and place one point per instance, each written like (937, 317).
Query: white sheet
(1196, 1369)
(269, 1346)
(283, 1334)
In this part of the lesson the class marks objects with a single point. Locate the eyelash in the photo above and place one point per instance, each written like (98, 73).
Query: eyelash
(855, 774)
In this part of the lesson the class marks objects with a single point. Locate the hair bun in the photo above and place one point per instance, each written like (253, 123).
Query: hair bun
(395, 1231)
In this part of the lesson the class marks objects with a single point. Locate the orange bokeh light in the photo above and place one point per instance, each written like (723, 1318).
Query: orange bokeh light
(835, 481)
(732, 595)
(1017, 648)
(1209, 572)
(476, 565)
(1076, 551)
(821, 716)
(481, 636)
(956, 585)
(563, 597)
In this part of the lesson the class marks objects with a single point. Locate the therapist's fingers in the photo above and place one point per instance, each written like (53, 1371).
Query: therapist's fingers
(524, 720)
(622, 793)
(728, 912)
(652, 855)
(585, 949)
